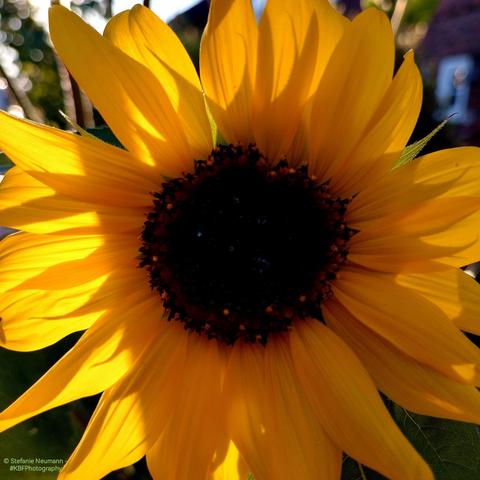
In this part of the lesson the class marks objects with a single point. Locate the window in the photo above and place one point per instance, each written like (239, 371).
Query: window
(453, 89)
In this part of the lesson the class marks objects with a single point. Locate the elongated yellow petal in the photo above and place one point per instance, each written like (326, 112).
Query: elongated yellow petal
(302, 446)
(345, 400)
(444, 230)
(455, 292)
(466, 230)
(342, 109)
(63, 299)
(446, 173)
(244, 414)
(227, 77)
(401, 378)
(331, 27)
(33, 319)
(147, 39)
(424, 219)
(29, 205)
(24, 256)
(141, 116)
(409, 254)
(270, 419)
(232, 465)
(386, 134)
(130, 415)
(433, 341)
(100, 358)
(287, 53)
(79, 167)
(186, 448)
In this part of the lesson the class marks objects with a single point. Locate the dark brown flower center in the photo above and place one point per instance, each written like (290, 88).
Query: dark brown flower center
(240, 249)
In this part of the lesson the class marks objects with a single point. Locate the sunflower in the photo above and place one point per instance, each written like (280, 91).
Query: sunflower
(245, 295)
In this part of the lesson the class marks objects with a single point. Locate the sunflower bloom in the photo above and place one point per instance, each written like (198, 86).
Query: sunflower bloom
(243, 302)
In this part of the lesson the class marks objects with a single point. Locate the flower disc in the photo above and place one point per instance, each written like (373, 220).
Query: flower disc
(241, 249)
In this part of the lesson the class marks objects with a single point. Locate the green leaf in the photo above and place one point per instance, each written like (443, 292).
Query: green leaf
(46, 440)
(102, 133)
(5, 163)
(452, 449)
(411, 151)
(352, 470)
(106, 135)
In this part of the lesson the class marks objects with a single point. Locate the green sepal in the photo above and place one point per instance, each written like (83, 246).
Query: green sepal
(216, 134)
(101, 133)
(411, 151)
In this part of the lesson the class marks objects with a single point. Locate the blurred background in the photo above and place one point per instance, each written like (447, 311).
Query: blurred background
(444, 33)
(34, 84)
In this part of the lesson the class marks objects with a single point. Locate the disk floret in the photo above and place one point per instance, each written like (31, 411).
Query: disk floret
(239, 249)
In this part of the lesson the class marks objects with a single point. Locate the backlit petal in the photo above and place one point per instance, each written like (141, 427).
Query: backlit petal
(150, 41)
(141, 117)
(29, 205)
(76, 166)
(346, 402)
(100, 358)
(433, 341)
(342, 109)
(288, 42)
(452, 290)
(446, 173)
(271, 420)
(407, 382)
(186, 448)
(131, 414)
(386, 134)
(227, 77)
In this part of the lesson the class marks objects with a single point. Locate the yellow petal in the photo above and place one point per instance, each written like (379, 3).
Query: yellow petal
(465, 230)
(401, 378)
(411, 323)
(150, 41)
(244, 414)
(452, 290)
(228, 53)
(76, 166)
(347, 404)
(342, 109)
(63, 299)
(270, 419)
(396, 253)
(186, 448)
(140, 115)
(386, 134)
(33, 319)
(29, 205)
(439, 229)
(446, 173)
(331, 27)
(24, 256)
(231, 467)
(287, 52)
(100, 358)
(130, 415)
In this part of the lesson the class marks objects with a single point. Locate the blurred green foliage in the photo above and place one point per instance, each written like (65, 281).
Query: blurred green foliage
(52, 435)
(416, 10)
(34, 58)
